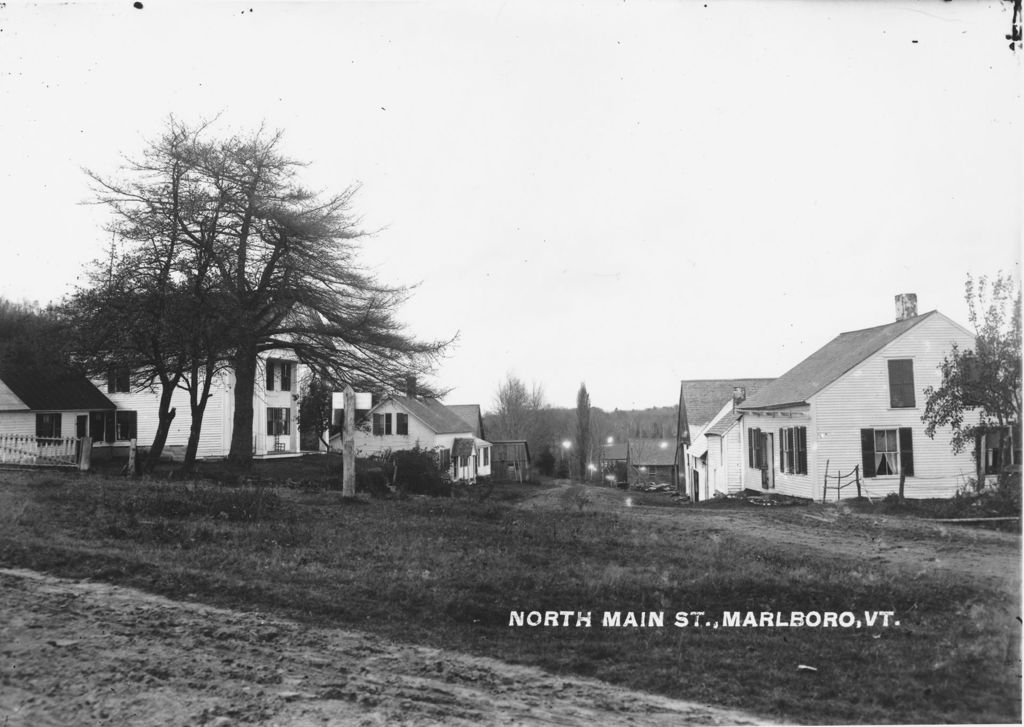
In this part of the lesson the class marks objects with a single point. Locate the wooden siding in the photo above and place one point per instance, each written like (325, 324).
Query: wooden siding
(860, 399)
(770, 423)
(369, 444)
(212, 442)
(9, 401)
(20, 422)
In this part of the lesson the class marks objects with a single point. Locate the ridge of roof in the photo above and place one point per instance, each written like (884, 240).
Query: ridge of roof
(830, 362)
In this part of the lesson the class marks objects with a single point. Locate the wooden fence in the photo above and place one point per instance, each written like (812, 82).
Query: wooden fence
(26, 450)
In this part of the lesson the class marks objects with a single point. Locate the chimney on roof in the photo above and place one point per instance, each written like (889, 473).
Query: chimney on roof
(410, 386)
(739, 395)
(906, 306)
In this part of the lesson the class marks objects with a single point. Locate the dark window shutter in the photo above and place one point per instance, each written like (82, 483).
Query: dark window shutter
(867, 452)
(750, 447)
(123, 379)
(111, 380)
(286, 377)
(378, 424)
(270, 375)
(901, 383)
(906, 451)
(782, 450)
(801, 446)
(287, 421)
(41, 425)
(387, 424)
(109, 430)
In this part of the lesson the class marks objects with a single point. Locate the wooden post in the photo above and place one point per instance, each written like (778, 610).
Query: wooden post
(348, 445)
(85, 456)
(824, 493)
(132, 451)
(856, 475)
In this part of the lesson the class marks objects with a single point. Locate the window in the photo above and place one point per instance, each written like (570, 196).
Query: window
(901, 383)
(793, 450)
(279, 421)
(999, 450)
(48, 425)
(755, 448)
(118, 379)
(101, 426)
(401, 423)
(887, 452)
(286, 375)
(487, 456)
(270, 376)
(125, 425)
(378, 424)
(445, 460)
(387, 424)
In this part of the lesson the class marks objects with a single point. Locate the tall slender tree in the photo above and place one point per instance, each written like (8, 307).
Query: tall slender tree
(584, 439)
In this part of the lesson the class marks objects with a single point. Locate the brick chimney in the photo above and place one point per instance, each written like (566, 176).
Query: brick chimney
(906, 306)
(410, 385)
(739, 395)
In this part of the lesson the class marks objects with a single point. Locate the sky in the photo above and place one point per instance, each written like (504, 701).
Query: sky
(624, 194)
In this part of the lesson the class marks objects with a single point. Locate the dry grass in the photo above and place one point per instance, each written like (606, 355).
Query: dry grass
(447, 572)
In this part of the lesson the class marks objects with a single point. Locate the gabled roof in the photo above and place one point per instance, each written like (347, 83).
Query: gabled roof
(651, 452)
(507, 449)
(723, 425)
(469, 413)
(704, 398)
(462, 447)
(440, 418)
(828, 363)
(48, 392)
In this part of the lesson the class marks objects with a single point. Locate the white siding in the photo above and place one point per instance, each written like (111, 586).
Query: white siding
(860, 399)
(9, 401)
(147, 405)
(368, 444)
(21, 422)
(770, 423)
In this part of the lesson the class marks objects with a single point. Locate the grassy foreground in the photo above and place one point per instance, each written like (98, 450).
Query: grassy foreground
(447, 572)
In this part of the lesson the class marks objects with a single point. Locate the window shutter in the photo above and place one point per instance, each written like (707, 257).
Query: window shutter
(270, 422)
(286, 377)
(109, 430)
(387, 424)
(906, 451)
(378, 424)
(750, 447)
(111, 380)
(270, 376)
(287, 421)
(782, 450)
(901, 383)
(801, 446)
(867, 452)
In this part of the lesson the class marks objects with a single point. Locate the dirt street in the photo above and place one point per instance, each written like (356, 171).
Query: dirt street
(90, 653)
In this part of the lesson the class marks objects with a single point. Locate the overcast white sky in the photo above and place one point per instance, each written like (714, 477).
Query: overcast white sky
(625, 194)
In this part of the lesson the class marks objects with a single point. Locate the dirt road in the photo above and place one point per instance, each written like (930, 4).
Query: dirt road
(90, 653)
(904, 543)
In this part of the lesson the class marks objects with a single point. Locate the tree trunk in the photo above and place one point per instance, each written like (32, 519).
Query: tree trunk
(165, 416)
(197, 403)
(244, 365)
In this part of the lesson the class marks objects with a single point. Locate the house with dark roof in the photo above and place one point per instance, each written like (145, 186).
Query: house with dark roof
(705, 403)
(47, 408)
(855, 406)
(400, 422)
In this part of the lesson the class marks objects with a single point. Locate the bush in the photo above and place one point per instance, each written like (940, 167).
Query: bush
(415, 471)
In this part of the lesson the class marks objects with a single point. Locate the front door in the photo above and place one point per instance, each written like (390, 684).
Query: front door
(768, 463)
(696, 485)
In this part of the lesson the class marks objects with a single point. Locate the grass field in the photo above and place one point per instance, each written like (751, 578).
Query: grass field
(447, 572)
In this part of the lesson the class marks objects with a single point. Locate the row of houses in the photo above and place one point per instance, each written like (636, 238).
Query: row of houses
(848, 415)
(40, 413)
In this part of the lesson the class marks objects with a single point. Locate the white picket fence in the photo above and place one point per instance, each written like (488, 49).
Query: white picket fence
(26, 450)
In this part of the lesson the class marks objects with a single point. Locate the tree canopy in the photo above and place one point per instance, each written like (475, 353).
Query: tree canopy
(981, 387)
(255, 262)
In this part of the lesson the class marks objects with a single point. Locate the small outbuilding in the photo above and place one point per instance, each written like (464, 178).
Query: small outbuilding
(510, 461)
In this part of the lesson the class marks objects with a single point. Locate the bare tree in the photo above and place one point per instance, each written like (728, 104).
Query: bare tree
(279, 260)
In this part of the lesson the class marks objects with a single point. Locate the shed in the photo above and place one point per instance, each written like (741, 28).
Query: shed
(510, 461)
